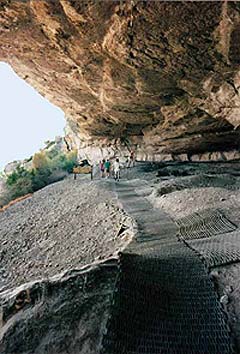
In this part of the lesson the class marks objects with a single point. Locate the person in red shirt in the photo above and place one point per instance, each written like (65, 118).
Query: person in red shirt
(102, 168)
(131, 162)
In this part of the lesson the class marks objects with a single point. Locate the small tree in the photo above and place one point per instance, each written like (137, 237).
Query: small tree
(71, 161)
(41, 170)
(40, 161)
(65, 162)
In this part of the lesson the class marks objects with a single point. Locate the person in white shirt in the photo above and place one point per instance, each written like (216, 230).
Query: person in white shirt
(116, 168)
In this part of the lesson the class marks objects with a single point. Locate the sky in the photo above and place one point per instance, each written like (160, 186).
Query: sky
(27, 119)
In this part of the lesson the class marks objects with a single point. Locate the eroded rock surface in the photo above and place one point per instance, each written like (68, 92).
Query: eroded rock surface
(163, 76)
(65, 314)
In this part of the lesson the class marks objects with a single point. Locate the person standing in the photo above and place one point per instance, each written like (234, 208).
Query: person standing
(132, 158)
(116, 168)
(107, 166)
(102, 168)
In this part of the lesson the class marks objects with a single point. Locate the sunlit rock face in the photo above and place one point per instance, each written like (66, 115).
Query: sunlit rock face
(162, 76)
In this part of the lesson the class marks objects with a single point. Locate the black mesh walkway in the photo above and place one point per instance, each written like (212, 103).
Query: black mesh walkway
(164, 302)
(218, 250)
(203, 224)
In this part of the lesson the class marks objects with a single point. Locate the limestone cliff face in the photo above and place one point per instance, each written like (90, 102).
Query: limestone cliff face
(163, 76)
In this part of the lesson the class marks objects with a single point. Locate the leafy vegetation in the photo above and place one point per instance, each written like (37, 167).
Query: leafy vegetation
(47, 167)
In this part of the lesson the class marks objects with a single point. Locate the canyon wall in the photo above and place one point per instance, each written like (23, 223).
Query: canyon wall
(162, 77)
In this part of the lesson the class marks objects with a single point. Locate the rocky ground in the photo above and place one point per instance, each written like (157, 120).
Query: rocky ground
(46, 239)
(49, 302)
(63, 226)
(184, 195)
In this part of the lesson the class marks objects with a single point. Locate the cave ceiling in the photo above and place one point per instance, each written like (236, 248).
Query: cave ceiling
(162, 74)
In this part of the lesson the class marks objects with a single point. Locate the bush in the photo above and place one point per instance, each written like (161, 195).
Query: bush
(47, 168)
(19, 183)
(64, 162)
(20, 172)
(22, 186)
(68, 161)
(41, 161)
(40, 178)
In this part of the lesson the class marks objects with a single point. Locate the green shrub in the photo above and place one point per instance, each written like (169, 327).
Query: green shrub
(19, 183)
(20, 172)
(68, 161)
(47, 168)
(64, 162)
(40, 178)
(22, 186)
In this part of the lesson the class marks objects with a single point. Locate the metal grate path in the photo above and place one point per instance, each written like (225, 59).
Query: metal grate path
(218, 250)
(164, 302)
(204, 224)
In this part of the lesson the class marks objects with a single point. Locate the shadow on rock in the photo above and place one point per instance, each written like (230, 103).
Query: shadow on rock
(64, 314)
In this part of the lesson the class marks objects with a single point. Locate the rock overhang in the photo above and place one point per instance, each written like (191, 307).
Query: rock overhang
(161, 75)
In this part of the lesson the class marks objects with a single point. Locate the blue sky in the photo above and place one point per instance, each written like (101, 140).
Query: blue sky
(27, 119)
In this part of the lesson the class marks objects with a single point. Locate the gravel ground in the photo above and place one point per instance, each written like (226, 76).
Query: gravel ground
(183, 196)
(63, 226)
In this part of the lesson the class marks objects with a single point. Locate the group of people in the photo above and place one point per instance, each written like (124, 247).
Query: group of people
(106, 167)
